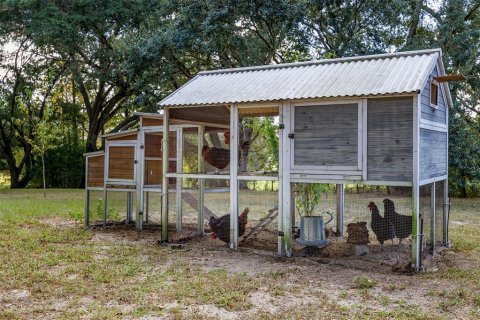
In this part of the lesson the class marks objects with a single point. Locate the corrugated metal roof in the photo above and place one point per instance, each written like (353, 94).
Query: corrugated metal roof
(385, 74)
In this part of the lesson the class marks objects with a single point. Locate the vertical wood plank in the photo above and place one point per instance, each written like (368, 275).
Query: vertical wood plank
(285, 221)
(105, 178)
(165, 166)
(416, 245)
(434, 218)
(201, 183)
(364, 139)
(340, 208)
(140, 178)
(179, 181)
(233, 177)
(87, 196)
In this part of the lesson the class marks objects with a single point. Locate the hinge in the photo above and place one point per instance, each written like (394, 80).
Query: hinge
(142, 146)
(281, 126)
(135, 161)
(281, 234)
(291, 135)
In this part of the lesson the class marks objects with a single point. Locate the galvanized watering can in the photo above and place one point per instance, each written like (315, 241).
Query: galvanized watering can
(312, 231)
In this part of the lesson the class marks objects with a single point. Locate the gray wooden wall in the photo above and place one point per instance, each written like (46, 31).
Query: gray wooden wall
(433, 154)
(389, 139)
(326, 135)
(428, 113)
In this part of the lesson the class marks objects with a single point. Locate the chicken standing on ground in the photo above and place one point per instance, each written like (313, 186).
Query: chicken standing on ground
(383, 230)
(401, 223)
(221, 226)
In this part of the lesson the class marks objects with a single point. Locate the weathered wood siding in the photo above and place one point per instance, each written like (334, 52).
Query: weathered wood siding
(428, 113)
(389, 139)
(121, 162)
(95, 171)
(326, 135)
(433, 154)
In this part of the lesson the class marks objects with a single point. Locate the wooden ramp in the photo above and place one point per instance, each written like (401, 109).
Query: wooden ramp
(261, 225)
(193, 202)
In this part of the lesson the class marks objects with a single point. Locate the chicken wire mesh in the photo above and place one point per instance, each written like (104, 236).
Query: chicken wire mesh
(385, 210)
(439, 212)
(426, 218)
(116, 206)
(261, 199)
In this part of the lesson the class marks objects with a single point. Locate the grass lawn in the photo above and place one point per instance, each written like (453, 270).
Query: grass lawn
(51, 267)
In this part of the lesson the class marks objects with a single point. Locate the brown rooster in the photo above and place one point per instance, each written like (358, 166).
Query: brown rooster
(219, 157)
(221, 226)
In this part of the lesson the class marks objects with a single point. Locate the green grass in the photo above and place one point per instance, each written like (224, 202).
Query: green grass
(53, 267)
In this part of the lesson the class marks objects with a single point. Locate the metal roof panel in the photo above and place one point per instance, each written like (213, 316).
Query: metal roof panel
(386, 74)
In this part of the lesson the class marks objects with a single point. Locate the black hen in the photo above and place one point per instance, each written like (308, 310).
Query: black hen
(401, 223)
(221, 226)
(383, 230)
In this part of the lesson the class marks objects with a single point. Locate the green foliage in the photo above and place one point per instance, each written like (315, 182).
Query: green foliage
(308, 196)
(362, 282)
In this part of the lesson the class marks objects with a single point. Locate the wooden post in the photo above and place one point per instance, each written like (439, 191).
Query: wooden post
(416, 232)
(105, 207)
(87, 208)
(201, 182)
(140, 160)
(87, 196)
(165, 162)
(340, 208)
(446, 208)
(233, 177)
(284, 187)
(147, 206)
(129, 207)
(179, 181)
(434, 218)
(105, 178)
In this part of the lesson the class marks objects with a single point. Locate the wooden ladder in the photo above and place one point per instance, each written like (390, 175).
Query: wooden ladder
(261, 225)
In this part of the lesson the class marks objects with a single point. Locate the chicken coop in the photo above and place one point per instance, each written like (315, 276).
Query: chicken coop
(365, 138)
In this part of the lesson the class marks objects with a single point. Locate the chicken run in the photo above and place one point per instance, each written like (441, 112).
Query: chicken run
(299, 159)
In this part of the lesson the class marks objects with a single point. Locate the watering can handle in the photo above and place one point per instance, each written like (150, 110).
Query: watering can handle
(331, 217)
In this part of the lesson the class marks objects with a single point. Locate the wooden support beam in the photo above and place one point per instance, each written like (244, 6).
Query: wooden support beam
(201, 182)
(179, 181)
(129, 207)
(87, 196)
(234, 132)
(284, 186)
(434, 216)
(140, 178)
(449, 77)
(446, 215)
(165, 153)
(340, 208)
(416, 230)
(87, 208)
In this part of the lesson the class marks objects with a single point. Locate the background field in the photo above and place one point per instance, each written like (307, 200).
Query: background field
(52, 267)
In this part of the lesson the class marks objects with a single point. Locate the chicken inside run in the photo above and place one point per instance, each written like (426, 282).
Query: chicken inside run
(358, 225)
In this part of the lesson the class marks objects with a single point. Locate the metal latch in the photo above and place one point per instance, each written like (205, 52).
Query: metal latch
(142, 146)
(291, 135)
(281, 234)
(135, 161)
(281, 126)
